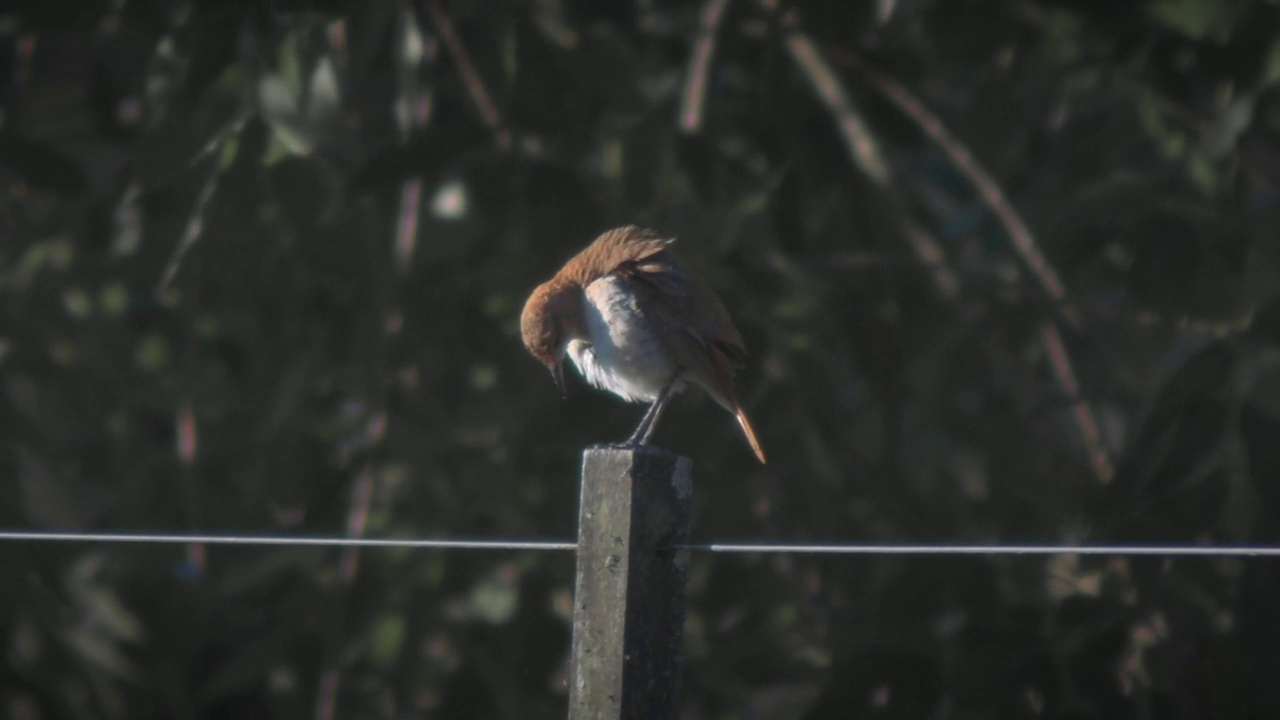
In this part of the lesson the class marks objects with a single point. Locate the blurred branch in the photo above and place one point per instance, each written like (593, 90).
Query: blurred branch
(866, 154)
(414, 108)
(929, 250)
(479, 95)
(348, 566)
(195, 227)
(1082, 411)
(693, 99)
(863, 148)
(406, 233)
(1026, 246)
(364, 450)
(186, 431)
(1024, 243)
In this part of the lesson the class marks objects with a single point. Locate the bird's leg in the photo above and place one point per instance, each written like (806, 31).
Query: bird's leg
(650, 420)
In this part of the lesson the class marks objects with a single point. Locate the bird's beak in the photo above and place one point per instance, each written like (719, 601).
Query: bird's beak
(557, 374)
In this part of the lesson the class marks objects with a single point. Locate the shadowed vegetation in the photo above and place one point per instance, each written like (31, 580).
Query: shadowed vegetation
(1006, 271)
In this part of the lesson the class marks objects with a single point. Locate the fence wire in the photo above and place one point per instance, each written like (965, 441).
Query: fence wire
(850, 548)
(259, 540)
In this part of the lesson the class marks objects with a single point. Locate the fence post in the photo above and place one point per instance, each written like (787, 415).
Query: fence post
(628, 605)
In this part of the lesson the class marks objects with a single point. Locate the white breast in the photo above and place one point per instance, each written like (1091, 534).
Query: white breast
(622, 354)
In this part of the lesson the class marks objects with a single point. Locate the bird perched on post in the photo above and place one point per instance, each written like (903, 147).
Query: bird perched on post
(638, 324)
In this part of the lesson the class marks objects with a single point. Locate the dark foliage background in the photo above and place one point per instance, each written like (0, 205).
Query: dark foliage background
(262, 266)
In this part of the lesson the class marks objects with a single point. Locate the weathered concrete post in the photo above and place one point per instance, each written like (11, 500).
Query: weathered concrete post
(628, 605)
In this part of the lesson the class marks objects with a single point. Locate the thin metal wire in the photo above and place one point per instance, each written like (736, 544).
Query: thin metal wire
(183, 539)
(876, 549)
(791, 548)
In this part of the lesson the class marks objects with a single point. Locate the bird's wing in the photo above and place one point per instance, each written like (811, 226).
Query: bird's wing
(613, 251)
(693, 322)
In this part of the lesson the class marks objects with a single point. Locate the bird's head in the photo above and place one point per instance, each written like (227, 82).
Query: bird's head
(548, 323)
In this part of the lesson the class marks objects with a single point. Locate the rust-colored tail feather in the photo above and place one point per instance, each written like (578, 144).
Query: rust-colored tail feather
(749, 432)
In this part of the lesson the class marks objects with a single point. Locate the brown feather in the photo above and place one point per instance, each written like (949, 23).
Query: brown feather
(611, 251)
(689, 317)
(695, 325)
(750, 432)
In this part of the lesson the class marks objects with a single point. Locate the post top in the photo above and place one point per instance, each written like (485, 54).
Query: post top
(620, 451)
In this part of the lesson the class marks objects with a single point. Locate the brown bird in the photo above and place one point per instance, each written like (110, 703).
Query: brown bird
(638, 324)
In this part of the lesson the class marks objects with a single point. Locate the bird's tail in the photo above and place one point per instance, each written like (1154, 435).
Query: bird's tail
(749, 432)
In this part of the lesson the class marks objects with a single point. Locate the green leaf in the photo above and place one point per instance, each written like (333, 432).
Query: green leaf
(496, 598)
(324, 98)
(152, 353)
(387, 639)
(279, 107)
(1200, 19)
(1272, 64)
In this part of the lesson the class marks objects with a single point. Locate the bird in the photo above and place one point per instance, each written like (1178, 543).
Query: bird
(636, 322)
